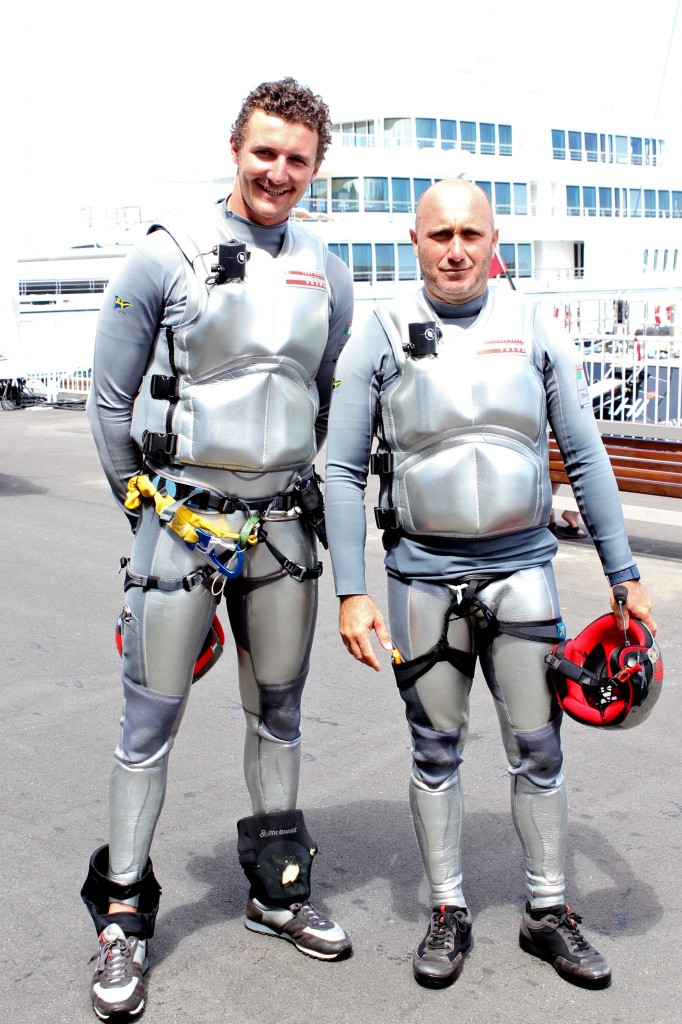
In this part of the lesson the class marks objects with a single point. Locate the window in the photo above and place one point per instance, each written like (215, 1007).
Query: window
(635, 202)
(636, 151)
(318, 196)
(575, 145)
(407, 262)
(448, 134)
(397, 131)
(362, 261)
(426, 132)
(468, 135)
(508, 254)
(345, 195)
(400, 188)
(616, 196)
(590, 200)
(504, 134)
(677, 204)
(649, 202)
(340, 249)
(420, 185)
(385, 261)
(573, 200)
(663, 203)
(376, 195)
(487, 138)
(502, 197)
(605, 202)
(622, 155)
(523, 252)
(558, 144)
(487, 187)
(665, 260)
(655, 267)
(591, 147)
(520, 199)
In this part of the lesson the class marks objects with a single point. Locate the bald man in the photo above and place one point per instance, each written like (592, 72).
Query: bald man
(459, 385)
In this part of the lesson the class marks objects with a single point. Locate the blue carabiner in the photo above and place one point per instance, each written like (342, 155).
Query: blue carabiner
(223, 569)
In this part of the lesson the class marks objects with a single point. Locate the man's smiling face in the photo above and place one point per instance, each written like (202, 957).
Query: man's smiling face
(275, 165)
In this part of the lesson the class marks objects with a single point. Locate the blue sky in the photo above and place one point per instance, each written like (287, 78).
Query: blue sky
(105, 95)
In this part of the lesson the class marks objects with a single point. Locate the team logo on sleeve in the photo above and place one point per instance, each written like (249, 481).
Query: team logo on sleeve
(120, 303)
(307, 279)
(503, 347)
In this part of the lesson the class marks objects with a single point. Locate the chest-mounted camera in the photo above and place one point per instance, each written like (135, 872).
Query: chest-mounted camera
(424, 338)
(232, 260)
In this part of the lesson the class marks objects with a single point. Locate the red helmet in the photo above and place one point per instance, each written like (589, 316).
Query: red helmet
(211, 649)
(606, 677)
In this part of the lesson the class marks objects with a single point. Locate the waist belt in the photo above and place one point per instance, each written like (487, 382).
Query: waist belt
(206, 501)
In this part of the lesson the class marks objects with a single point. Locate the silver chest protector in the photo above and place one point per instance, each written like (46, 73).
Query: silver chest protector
(232, 387)
(463, 436)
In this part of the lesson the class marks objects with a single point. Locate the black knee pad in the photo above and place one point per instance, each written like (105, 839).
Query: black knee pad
(276, 853)
(540, 754)
(98, 891)
(280, 708)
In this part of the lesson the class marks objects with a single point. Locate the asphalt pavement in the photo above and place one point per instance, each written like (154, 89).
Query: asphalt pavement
(60, 593)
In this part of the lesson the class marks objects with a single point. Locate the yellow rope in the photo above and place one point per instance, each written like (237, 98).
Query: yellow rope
(184, 521)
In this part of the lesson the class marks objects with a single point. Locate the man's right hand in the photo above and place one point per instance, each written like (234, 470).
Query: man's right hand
(358, 616)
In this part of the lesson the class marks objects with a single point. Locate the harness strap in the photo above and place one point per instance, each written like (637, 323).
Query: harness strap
(298, 572)
(194, 579)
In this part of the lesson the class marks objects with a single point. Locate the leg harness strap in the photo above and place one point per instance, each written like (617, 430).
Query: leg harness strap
(486, 627)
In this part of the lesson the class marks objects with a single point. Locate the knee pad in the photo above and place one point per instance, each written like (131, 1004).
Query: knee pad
(98, 891)
(276, 853)
(540, 754)
(280, 708)
(436, 754)
(147, 724)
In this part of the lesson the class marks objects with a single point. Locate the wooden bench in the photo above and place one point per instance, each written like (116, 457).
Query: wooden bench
(640, 464)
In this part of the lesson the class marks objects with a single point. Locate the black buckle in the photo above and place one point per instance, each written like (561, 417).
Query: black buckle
(381, 462)
(387, 518)
(159, 444)
(165, 387)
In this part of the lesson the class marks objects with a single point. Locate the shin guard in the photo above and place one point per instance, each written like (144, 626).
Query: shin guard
(98, 891)
(276, 853)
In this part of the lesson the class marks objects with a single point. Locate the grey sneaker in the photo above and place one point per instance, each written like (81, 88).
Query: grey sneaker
(118, 988)
(555, 937)
(438, 957)
(309, 930)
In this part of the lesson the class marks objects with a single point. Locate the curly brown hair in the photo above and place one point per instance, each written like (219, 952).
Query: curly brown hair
(291, 102)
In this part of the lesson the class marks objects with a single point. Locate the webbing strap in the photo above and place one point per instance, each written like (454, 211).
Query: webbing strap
(298, 572)
(134, 579)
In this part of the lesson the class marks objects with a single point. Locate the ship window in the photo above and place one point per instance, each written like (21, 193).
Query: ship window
(401, 195)
(508, 254)
(448, 134)
(575, 145)
(677, 204)
(558, 144)
(649, 202)
(426, 132)
(468, 134)
(407, 262)
(397, 131)
(385, 261)
(635, 202)
(605, 202)
(590, 200)
(487, 187)
(523, 252)
(622, 156)
(636, 151)
(520, 199)
(345, 195)
(591, 147)
(502, 197)
(362, 261)
(573, 200)
(504, 133)
(340, 249)
(420, 185)
(487, 138)
(376, 195)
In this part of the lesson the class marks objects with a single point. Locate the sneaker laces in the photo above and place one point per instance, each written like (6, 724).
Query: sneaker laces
(308, 912)
(570, 922)
(444, 922)
(112, 959)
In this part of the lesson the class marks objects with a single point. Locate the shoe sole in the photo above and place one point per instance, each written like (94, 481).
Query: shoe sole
(264, 929)
(428, 981)
(574, 979)
(119, 1014)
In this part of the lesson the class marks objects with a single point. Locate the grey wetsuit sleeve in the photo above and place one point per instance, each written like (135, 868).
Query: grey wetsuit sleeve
(588, 467)
(149, 288)
(366, 361)
(340, 321)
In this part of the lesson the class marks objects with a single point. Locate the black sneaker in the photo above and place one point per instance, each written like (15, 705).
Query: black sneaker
(118, 988)
(555, 937)
(310, 931)
(438, 958)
